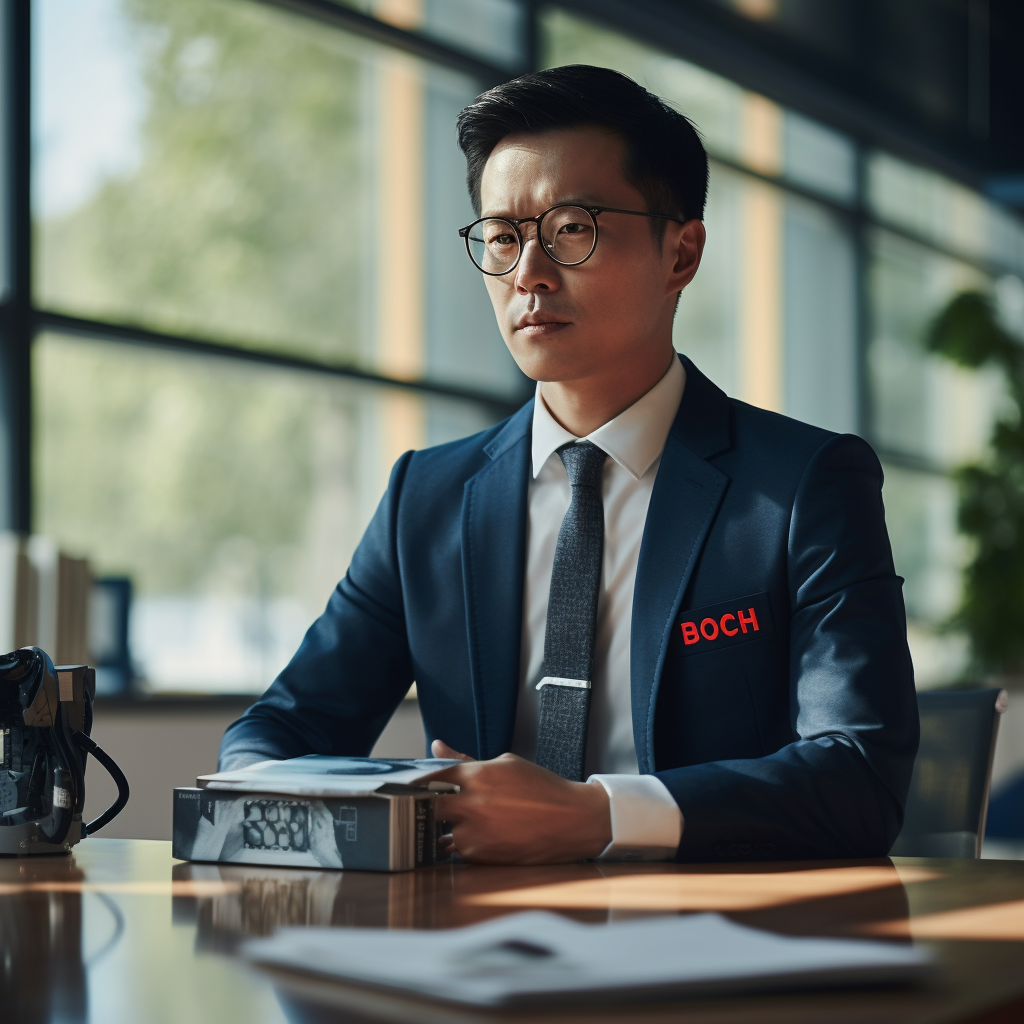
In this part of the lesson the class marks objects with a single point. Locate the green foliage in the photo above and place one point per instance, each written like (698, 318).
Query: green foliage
(245, 217)
(247, 214)
(171, 461)
(991, 511)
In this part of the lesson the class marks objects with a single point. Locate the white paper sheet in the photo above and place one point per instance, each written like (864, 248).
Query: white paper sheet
(542, 957)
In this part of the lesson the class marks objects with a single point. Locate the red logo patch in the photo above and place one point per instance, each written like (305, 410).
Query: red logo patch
(709, 628)
(726, 624)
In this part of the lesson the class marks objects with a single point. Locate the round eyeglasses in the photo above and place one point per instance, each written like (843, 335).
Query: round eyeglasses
(567, 233)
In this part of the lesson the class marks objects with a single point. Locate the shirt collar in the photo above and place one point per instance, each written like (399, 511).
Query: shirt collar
(634, 438)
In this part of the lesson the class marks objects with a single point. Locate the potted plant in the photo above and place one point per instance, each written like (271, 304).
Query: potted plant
(991, 495)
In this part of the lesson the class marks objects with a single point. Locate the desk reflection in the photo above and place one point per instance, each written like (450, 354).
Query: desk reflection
(254, 901)
(42, 969)
(228, 903)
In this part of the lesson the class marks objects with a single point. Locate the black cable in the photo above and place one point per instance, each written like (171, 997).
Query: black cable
(115, 773)
(73, 764)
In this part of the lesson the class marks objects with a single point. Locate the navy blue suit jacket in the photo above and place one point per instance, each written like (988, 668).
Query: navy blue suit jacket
(792, 740)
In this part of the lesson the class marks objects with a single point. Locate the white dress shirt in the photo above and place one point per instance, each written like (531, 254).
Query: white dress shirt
(646, 821)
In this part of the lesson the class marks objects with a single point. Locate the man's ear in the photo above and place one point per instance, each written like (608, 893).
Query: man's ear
(686, 246)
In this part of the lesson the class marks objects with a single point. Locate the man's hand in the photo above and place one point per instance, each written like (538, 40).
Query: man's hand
(510, 811)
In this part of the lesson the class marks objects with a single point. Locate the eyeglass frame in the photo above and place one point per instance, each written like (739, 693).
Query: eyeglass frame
(594, 211)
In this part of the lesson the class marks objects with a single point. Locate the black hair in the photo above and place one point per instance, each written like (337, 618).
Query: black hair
(665, 158)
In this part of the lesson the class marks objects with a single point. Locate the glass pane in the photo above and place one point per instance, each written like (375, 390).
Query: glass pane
(493, 30)
(820, 316)
(819, 158)
(920, 511)
(232, 495)
(943, 211)
(770, 314)
(234, 171)
(737, 125)
(707, 322)
(923, 405)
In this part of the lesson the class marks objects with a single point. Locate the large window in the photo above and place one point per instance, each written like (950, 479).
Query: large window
(270, 202)
(247, 296)
(227, 170)
(930, 238)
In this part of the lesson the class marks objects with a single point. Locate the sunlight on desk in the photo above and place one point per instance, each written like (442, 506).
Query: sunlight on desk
(997, 922)
(704, 891)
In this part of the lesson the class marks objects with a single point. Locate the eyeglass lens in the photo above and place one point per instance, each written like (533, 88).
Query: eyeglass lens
(568, 234)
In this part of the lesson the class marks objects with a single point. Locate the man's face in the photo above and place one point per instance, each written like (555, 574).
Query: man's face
(566, 323)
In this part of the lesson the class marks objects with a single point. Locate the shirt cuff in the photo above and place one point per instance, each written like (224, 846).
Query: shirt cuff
(646, 821)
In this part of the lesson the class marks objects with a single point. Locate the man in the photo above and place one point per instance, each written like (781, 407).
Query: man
(634, 580)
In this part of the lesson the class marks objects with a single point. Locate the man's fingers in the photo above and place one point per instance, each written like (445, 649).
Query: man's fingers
(441, 749)
(446, 808)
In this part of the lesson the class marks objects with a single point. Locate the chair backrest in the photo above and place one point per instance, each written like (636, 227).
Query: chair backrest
(948, 798)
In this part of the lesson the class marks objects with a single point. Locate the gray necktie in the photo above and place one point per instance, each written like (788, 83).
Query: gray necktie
(572, 614)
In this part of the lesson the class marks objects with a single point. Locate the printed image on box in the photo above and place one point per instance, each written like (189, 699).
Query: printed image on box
(374, 832)
(314, 811)
(276, 825)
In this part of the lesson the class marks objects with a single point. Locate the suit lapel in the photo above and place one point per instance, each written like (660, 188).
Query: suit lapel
(685, 499)
(493, 565)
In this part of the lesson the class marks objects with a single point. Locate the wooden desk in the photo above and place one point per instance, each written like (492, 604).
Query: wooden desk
(119, 933)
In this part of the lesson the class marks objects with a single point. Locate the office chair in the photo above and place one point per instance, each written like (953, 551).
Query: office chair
(948, 797)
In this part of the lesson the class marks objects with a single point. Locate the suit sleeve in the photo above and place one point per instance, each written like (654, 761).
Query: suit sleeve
(839, 789)
(353, 667)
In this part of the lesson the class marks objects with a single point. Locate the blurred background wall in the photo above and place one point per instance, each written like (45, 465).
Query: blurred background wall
(234, 292)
